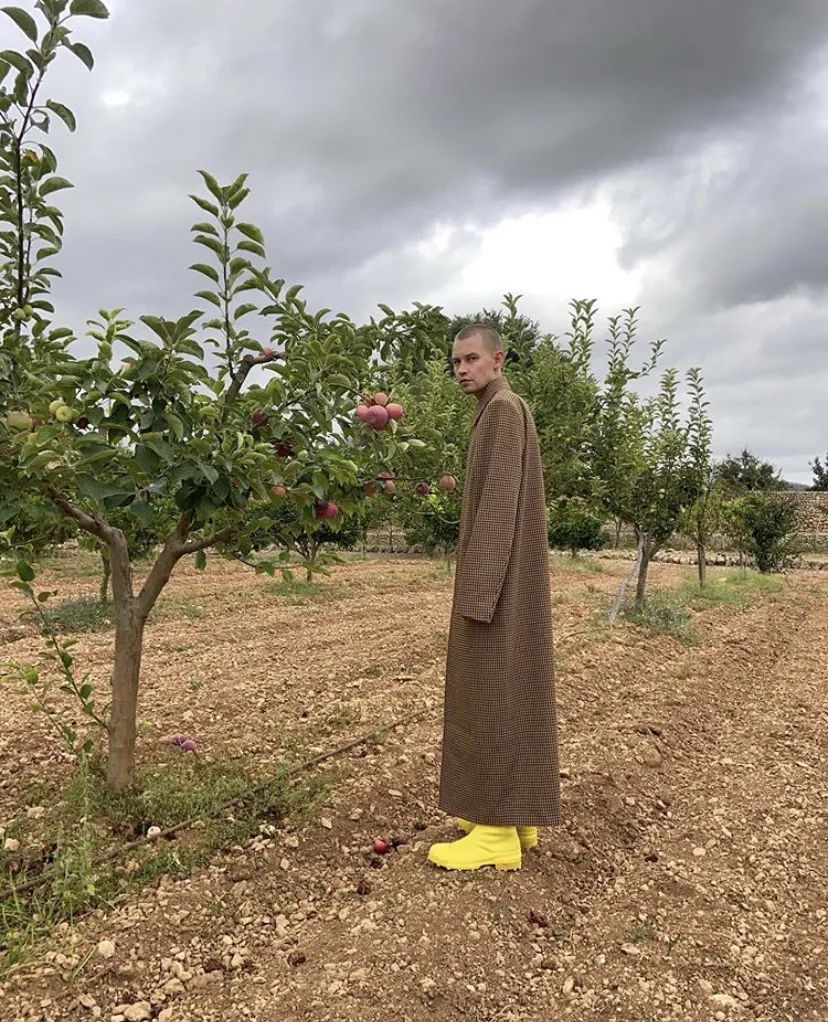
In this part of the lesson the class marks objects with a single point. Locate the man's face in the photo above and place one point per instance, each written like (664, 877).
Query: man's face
(474, 365)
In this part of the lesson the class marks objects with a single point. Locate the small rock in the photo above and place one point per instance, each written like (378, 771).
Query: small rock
(724, 1000)
(11, 844)
(141, 1011)
(631, 950)
(326, 823)
(568, 986)
(652, 757)
(153, 833)
(706, 987)
(106, 949)
(699, 852)
(297, 958)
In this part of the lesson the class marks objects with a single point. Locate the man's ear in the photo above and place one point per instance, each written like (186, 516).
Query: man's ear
(500, 357)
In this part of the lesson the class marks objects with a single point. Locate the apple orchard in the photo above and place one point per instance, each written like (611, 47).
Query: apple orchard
(253, 422)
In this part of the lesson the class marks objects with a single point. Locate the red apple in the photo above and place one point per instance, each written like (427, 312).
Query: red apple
(377, 416)
(362, 412)
(380, 399)
(189, 746)
(390, 486)
(258, 419)
(332, 510)
(423, 489)
(278, 490)
(381, 847)
(395, 411)
(447, 482)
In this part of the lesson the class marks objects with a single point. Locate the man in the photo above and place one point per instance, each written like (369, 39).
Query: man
(500, 772)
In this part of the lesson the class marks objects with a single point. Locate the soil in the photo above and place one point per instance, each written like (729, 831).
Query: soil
(687, 882)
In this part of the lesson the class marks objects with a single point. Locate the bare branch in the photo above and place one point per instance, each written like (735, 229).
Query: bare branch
(245, 366)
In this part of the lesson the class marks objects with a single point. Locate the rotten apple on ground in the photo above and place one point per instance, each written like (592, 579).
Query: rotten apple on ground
(381, 846)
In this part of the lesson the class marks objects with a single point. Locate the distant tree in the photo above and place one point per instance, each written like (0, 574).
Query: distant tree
(820, 474)
(747, 474)
(768, 523)
(574, 525)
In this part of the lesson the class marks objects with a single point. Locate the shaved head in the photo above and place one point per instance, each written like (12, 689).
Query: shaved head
(489, 336)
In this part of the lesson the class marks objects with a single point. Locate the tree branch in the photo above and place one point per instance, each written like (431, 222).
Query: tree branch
(201, 544)
(245, 366)
(89, 523)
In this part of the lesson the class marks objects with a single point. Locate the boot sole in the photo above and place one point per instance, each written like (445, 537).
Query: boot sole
(497, 865)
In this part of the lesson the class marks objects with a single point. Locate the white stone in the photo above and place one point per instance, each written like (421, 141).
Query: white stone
(106, 949)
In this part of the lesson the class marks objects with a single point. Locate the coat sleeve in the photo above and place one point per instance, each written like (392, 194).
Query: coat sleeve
(486, 557)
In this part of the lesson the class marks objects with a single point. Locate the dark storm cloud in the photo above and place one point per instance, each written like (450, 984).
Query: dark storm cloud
(363, 123)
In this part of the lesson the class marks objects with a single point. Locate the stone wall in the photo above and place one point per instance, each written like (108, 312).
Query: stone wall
(811, 511)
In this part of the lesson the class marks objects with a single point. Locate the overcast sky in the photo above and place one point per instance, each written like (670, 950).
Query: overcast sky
(661, 153)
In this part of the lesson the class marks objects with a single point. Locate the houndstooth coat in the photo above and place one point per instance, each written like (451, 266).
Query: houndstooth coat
(500, 747)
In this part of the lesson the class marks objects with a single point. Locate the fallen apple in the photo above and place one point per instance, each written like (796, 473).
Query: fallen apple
(189, 746)
(381, 847)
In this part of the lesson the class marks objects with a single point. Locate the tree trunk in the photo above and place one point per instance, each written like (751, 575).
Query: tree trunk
(129, 640)
(618, 524)
(641, 586)
(702, 555)
(619, 596)
(105, 563)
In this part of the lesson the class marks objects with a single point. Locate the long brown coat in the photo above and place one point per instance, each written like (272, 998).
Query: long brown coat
(500, 746)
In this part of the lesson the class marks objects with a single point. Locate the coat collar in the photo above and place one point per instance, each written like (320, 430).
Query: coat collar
(498, 383)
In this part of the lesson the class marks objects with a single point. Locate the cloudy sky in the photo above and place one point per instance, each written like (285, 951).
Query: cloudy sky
(659, 153)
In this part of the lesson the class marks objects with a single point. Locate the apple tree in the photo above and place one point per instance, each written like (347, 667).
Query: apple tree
(209, 411)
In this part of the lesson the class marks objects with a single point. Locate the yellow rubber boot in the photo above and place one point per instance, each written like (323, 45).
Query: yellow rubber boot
(484, 846)
(528, 835)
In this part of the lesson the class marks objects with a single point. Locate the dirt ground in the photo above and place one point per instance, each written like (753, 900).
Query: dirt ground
(687, 883)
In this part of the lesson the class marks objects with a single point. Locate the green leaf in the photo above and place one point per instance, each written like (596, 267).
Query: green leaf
(243, 310)
(17, 60)
(63, 112)
(54, 184)
(83, 53)
(208, 207)
(201, 560)
(213, 185)
(23, 20)
(98, 490)
(90, 8)
(252, 246)
(208, 271)
(175, 424)
(142, 511)
(25, 572)
(252, 231)
(212, 243)
(208, 296)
